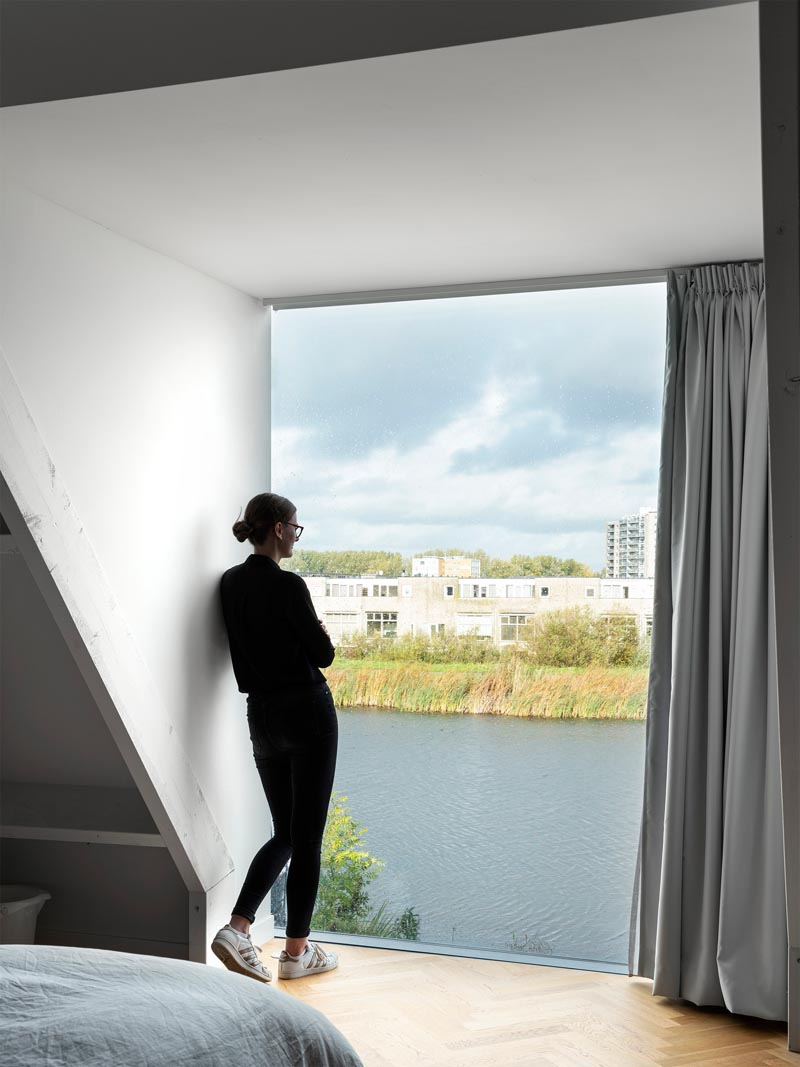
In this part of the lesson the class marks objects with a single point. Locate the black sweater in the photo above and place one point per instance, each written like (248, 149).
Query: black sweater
(275, 637)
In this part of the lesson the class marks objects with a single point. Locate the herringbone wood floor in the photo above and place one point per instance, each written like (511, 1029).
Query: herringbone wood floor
(401, 1009)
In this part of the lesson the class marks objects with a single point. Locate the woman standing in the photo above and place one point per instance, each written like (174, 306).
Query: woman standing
(277, 646)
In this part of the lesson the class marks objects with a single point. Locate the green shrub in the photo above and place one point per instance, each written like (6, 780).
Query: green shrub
(360, 645)
(576, 637)
(346, 870)
(403, 927)
(561, 638)
(618, 640)
(572, 637)
(419, 648)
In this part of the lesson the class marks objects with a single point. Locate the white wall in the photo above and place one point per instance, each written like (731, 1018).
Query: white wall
(149, 385)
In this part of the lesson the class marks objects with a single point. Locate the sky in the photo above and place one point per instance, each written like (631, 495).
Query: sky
(517, 423)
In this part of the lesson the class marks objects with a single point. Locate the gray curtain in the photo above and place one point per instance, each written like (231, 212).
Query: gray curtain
(708, 920)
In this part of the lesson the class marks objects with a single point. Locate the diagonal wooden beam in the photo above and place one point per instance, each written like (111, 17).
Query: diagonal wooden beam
(52, 540)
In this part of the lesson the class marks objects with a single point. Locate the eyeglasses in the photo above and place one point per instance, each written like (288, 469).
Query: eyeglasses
(298, 529)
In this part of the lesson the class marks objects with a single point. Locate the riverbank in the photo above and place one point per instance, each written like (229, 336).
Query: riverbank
(511, 688)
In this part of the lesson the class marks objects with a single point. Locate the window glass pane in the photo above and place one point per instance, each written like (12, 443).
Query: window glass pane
(481, 625)
(496, 456)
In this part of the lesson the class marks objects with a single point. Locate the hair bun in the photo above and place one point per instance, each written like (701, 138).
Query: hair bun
(242, 529)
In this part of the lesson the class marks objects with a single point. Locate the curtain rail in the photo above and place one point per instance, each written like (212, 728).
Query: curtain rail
(438, 292)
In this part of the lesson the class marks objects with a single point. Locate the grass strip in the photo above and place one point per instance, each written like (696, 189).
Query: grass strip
(512, 688)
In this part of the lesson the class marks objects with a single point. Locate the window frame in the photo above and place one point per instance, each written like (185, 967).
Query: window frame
(481, 618)
(440, 292)
(272, 305)
(521, 619)
(383, 622)
(333, 620)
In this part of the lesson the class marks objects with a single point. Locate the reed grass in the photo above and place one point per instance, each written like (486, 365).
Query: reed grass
(513, 688)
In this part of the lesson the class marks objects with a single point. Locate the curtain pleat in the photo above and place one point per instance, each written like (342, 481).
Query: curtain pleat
(709, 909)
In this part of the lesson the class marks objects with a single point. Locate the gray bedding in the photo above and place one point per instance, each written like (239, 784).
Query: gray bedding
(82, 1007)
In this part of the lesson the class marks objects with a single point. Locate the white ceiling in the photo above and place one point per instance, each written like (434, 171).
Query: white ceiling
(621, 147)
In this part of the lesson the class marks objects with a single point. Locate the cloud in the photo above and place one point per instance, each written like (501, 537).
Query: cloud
(406, 498)
(518, 423)
(362, 376)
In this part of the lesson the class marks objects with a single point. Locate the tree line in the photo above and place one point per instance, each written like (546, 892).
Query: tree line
(348, 562)
(395, 565)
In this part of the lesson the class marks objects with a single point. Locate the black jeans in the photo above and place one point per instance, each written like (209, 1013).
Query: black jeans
(295, 738)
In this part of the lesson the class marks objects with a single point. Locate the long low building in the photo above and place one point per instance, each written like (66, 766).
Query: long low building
(494, 608)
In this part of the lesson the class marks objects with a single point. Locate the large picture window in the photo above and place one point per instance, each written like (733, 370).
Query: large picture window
(487, 465)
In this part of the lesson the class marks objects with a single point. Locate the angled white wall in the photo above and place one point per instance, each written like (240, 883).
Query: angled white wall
(137, 424)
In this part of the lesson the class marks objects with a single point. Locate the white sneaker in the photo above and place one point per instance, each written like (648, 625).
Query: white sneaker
(312, 961)
(238, 953)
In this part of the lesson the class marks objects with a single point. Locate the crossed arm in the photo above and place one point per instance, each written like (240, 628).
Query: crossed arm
(311, 631)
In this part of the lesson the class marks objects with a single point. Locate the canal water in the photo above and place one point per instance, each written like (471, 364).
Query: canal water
(514, 835)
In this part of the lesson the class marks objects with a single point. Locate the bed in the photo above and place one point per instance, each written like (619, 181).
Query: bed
(82, 1007)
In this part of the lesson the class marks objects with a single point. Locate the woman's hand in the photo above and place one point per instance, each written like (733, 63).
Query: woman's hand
(324, 629)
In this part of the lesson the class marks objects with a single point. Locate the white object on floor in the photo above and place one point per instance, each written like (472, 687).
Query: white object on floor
(19, 908)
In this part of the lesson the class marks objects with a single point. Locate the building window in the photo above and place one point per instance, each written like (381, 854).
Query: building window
(523, 590)
(344, 589)
(449, 590)
(437, 628)
(510, 626)
(478, 591)
(382, 622)
(341, 623)
(648, 625)
(544, 590)
(590, 591)
(612, 592)
(479, 625)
